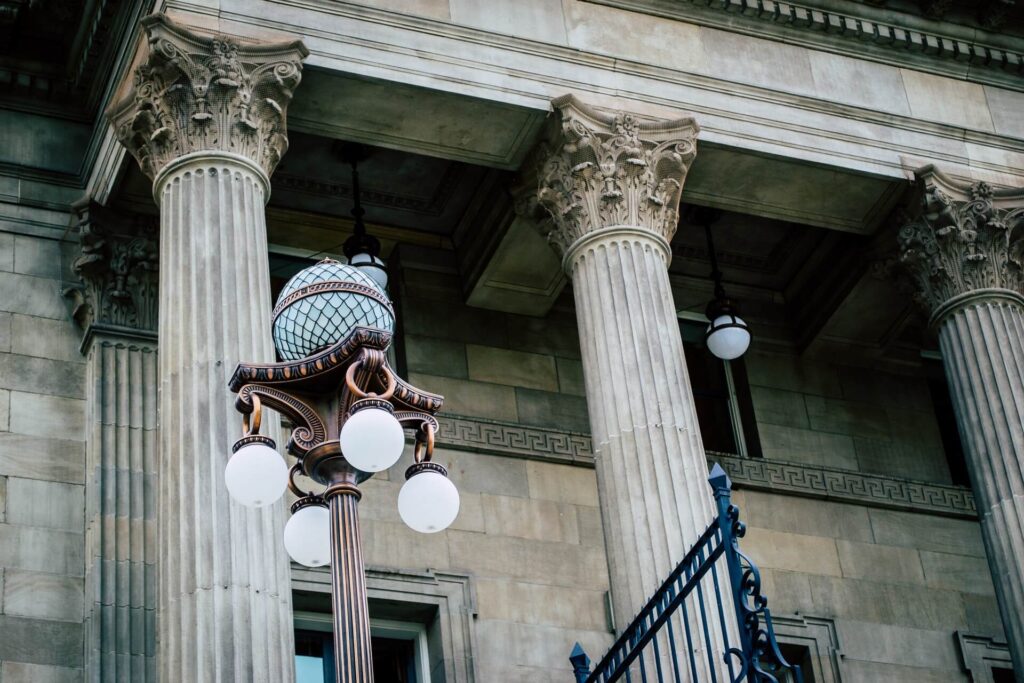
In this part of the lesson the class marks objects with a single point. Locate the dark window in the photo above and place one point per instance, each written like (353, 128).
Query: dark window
(393, 658)
(1001, 675)
(721, 396)
(795, 655)
(942, 403)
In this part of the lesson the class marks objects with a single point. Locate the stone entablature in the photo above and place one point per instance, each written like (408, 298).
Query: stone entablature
(605, 170)
(119, 270)
(962, 239)
(861, 36)
(194, 93)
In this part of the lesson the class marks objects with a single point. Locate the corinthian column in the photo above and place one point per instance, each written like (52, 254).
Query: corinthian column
(963, 250)
(611, 184)
(205, 119)
(116, 308)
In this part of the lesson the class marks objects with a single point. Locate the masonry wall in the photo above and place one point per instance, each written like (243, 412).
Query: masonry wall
(528, 532)
(893, 586)
(42, 465)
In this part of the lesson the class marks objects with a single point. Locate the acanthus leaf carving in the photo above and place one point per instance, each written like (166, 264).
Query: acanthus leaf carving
(194, 93)
(959, 238)
(118, 266)
(600, 170)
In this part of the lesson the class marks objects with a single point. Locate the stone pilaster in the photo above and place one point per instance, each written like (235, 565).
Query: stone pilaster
(963, 249)
(205, 119)
(115, 305)
(611, 184)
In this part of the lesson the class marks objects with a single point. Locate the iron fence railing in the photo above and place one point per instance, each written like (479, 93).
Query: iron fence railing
(703, 623)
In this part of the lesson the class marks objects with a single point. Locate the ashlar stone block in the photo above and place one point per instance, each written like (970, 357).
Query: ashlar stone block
(47, 416)
(880, 562)
(531, 603)
(43, 596)
(515, 368)
(899, 645)
(31, 296)
(471, 399)
(52, 505)
(793, 552)
(44, 338)
(436, 356)
(559, 564)
(539, 520)
(805, 516)
(42, 458)
(20, 672)
(562, 483)
(42, 375)
(926, 532)
(887, 603)
(962, 573)
(23, 636)
(42, 550)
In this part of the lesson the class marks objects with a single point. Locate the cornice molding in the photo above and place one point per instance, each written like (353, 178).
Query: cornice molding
(194, 93)
(958, 239)
(859, 36)
(759, 474)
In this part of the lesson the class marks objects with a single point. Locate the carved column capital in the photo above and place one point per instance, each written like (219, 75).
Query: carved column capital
(118, 269)
(961, 241)
(602, 170)
(193, 93)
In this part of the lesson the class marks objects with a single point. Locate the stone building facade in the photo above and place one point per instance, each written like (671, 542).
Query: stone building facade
(166, 166)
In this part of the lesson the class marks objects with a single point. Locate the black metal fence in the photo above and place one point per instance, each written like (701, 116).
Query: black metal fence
(705, 623)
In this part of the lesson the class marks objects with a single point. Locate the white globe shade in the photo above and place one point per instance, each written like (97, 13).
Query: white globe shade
(256, 475)
(372, 266)
(307, 536)
(372, 440)
(428, 502)
(727, 340)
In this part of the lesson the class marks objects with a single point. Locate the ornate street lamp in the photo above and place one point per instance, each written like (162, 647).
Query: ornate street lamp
(349, 411)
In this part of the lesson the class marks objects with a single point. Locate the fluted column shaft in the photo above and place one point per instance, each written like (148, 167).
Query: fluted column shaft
(651, 469)
(225, 597)
(121, 453)
(610, 183)
(982, 343)
(961, 245)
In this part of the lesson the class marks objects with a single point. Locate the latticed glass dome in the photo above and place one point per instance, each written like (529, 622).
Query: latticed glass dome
(322, 304)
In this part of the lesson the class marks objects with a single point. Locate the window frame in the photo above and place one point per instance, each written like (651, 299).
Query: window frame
(741, 438)
(385, 628)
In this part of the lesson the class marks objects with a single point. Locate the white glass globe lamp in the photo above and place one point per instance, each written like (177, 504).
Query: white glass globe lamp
(727, 336)
(428, 501)
(307, 535)
(372, 439)
(256, 475)
(373, 266)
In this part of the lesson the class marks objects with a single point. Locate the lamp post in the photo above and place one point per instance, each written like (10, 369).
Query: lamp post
(349, 411)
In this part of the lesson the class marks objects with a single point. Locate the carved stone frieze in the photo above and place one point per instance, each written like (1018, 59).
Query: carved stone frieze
(810, 481)
(194, 93)
(600, 170)
(118, 269)
(958, 239)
